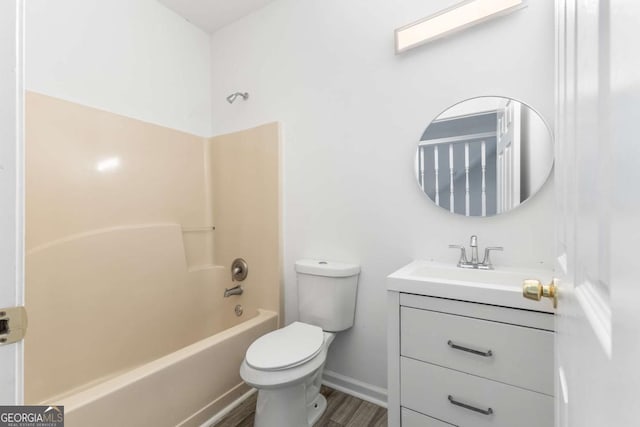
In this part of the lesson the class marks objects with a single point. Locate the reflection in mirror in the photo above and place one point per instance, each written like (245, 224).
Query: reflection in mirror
(484, 156)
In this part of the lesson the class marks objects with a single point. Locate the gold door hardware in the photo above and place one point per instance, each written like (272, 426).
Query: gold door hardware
(535, 290)
(13, 324)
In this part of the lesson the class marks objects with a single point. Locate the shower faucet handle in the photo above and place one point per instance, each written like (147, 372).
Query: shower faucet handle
(239, 270)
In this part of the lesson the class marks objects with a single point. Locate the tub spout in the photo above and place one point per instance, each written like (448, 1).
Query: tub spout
(236, 290)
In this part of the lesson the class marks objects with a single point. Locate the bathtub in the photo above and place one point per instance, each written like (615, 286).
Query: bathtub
(184, 388)
(122, 331)
(126, 270)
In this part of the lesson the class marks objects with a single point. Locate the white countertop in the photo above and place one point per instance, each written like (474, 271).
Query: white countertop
(502, 286)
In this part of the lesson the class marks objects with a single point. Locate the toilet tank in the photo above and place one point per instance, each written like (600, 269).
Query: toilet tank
(327, 293)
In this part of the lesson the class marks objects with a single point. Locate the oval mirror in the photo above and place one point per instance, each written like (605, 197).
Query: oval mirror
(484, 156)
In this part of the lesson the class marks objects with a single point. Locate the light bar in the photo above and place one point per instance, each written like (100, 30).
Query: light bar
(461, 15)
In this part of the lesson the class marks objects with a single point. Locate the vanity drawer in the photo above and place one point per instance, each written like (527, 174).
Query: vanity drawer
(414, 419)
(434, 390)
(507, 353)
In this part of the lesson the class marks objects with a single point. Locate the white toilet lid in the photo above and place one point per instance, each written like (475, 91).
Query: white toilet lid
(286, 347)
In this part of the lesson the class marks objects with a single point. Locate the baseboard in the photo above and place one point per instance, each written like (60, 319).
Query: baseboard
(348, 385)
(359, 389)
(227, 409)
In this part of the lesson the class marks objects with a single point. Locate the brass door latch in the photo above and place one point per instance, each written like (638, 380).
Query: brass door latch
(535, 290)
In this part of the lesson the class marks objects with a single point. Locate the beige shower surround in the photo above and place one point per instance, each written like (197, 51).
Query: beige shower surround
(123, 266)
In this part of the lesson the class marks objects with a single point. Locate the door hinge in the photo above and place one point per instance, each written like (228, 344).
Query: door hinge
(13, 324)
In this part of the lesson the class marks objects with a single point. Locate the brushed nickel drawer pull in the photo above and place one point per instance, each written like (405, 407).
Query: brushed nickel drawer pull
(469, 407)
(488, 353)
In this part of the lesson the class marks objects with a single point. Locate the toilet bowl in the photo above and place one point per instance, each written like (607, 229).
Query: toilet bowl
(286, 365)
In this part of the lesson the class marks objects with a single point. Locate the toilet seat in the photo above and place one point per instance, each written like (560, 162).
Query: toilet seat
(285, 348)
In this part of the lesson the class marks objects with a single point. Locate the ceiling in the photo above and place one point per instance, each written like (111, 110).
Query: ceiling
(211, 15)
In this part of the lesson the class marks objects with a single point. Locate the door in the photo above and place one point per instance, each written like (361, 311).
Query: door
(508, 156)
(597, 176)
(11, 191)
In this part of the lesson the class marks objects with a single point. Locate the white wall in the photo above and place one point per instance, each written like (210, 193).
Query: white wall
(352, 113)
(131, 57)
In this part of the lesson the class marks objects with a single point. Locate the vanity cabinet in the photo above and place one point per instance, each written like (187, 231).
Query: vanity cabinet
(468, 364)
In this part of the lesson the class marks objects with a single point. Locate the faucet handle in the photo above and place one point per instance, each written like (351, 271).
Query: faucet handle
(473, 241)
(486, 262)
(463, 254)
(493, 248)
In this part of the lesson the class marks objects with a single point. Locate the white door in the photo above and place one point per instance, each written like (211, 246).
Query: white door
(508, 156)
(597, 176)
(11, 190)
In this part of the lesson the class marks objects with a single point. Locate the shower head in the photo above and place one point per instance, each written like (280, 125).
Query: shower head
(233, 96)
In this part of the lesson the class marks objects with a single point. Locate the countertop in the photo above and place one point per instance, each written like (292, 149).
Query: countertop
(502, 286)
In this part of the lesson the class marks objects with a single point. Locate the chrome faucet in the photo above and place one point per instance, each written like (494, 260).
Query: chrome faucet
(474, 249)
(236, 290)
(463, 262)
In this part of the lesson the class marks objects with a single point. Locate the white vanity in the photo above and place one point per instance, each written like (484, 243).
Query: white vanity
(466, 349)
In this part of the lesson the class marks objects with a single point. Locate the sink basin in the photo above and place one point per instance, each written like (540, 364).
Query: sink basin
(502, 286)
(432, 271)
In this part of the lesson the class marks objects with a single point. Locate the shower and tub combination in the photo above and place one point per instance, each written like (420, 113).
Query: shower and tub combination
(131, 232)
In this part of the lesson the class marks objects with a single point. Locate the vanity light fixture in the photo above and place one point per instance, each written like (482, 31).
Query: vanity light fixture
(457, 17)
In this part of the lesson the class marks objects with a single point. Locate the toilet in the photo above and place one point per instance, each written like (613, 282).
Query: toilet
(286, 365)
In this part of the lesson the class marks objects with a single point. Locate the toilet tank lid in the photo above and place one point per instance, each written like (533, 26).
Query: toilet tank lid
(318, 267)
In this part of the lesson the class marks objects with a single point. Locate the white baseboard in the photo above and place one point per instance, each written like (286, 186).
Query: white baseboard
(348, 385)
(227, 409)
(359, 389)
